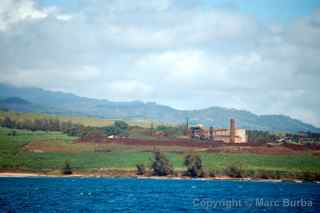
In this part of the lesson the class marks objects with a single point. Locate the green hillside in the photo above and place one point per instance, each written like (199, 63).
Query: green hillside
(58, 103)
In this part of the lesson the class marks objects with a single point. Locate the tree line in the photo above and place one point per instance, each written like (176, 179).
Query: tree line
(260, 137)
(43, 124)
(67, 127)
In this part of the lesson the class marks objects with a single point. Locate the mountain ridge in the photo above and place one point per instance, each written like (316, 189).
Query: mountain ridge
(53, 102)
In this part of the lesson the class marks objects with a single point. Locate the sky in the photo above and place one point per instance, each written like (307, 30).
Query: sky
(256, 55)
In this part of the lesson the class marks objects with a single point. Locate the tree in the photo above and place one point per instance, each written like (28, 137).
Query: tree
(121, 125)
(118, 128)
(121, 128)
(109, 130)
(66, 170)
(194, 166)
(161, 166)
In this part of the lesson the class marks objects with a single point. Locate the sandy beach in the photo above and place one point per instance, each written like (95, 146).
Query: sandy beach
(28, 174)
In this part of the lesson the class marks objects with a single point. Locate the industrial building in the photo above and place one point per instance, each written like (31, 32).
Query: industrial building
(225, 135)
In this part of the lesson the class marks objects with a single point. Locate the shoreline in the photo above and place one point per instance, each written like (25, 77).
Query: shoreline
(81, 175)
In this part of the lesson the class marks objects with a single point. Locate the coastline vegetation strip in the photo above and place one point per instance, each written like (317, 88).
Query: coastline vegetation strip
(14, 155)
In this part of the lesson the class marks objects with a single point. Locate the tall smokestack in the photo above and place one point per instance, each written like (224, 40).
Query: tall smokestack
(211, 133)
(232, 130)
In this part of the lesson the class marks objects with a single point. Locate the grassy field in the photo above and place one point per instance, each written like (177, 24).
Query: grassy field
(47, 151)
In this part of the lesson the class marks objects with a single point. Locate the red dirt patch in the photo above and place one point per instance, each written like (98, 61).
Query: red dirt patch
(135, 142)
(274, 150)
(213, 146)
(43, 147)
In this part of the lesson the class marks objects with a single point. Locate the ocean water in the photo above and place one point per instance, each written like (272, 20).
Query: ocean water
(47, 194)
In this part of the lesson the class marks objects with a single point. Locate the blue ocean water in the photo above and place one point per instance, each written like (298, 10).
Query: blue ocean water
(47, 194)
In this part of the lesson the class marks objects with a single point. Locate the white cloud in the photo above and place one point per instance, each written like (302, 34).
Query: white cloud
(64, 17)
(156, 50)
(53, 78)
(128, 89)
(138, 5)
(15, 11)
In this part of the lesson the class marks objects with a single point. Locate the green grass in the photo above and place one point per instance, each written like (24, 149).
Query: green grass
(290, 163)
(14, 155)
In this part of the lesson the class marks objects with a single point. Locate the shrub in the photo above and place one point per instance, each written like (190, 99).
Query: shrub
(248, 173)
(266, 174)
(170, 131)
(66, 170)
(161, 166)
(140, 169)
(13, 133)
(212, 173)
(205, 174)
(309, 176)
(233, 171)
(194, 166)
(260, 137)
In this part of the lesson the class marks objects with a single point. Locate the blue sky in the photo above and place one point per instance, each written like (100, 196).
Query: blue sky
(264, 9)
(261, 56)
(279, 9)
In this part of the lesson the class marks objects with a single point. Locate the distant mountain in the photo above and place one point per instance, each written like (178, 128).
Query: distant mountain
(21, 105)
(27, 99)
(14, 100)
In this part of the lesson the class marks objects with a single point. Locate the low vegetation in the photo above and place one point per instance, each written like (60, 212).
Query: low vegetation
(234, 171)
(140, 169)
